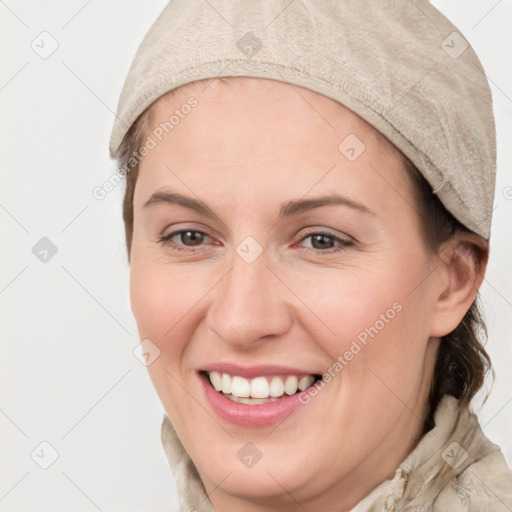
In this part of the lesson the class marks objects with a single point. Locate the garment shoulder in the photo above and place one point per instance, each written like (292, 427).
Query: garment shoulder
(485, 485)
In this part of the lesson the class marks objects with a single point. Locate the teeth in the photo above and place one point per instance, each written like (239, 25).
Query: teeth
(276, 387)
(291, 385)
(305, 382)
(251, 401)
(226, 383)
(259, 389)
(216, 380)
(240, 387)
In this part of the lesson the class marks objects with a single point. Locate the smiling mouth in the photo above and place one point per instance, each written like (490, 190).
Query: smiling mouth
(259, 390)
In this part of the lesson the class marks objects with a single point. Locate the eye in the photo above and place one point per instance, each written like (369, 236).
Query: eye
(185, 237)
(325, 242)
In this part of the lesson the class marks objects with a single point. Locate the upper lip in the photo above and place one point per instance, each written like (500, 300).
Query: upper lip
(253, 371)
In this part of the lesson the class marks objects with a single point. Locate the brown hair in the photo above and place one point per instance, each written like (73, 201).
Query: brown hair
(462, 363)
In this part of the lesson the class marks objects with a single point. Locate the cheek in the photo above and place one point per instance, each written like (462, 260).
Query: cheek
(166, 307)
(163, 298)
(377, 351)
(149, 296)
(368, 317)
(345, 302)
(163, 313)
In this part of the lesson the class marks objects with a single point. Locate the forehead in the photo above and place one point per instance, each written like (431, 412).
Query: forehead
(263, 129)
(251, 104)
(259, 99)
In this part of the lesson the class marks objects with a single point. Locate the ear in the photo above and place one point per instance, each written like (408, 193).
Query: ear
(462, 264)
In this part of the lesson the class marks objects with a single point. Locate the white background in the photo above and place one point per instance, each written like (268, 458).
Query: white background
(68, 374)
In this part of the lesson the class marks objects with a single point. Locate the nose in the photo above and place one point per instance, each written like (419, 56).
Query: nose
(249, 306)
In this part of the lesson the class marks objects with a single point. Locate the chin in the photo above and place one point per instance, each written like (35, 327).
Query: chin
(267, 482)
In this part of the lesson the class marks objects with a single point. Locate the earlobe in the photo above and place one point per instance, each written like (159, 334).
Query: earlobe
(462, 261)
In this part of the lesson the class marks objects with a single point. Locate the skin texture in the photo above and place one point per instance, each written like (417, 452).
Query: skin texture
(245, 150)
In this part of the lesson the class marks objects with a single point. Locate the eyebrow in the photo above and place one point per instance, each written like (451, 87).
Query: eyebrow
(289, 209)
(188, 202)
(302, 205)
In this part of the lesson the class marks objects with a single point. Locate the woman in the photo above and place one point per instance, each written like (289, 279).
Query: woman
(307, 210)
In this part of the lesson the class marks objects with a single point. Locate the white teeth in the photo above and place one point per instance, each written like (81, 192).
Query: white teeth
(226, 383)
(260, 389)
(251, 401)
(240, 387)
(305, 382)
(276, 387)
(291, 385)
(216, 380)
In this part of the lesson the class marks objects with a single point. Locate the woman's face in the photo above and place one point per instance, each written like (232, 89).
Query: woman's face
(292, 249)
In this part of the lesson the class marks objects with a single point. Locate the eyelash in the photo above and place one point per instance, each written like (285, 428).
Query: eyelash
(342, 244)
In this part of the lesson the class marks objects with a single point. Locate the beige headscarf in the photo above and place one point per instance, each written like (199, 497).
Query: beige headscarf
(399, 64)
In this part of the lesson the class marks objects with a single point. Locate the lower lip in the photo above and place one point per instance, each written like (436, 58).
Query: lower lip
(259, 415)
